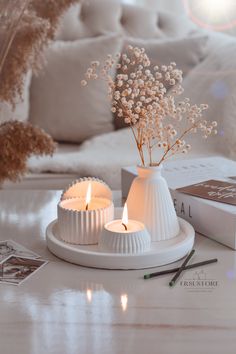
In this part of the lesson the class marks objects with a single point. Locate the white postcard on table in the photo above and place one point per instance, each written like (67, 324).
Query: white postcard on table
(10, 247)
(15, 270)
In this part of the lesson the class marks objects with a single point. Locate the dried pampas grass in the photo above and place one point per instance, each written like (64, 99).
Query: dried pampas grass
(18, 141)
(24, 54)
(26, 27)
(51, 10)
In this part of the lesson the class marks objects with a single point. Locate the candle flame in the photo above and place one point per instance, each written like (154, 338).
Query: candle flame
(88, 195)
(124, 302)
(125, 219)
(89, 295)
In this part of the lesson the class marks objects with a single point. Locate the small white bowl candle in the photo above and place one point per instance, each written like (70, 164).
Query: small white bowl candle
(81, 217)
(125, 236)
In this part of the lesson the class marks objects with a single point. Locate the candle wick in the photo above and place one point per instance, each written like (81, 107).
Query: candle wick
(86, 208)
(125, 226)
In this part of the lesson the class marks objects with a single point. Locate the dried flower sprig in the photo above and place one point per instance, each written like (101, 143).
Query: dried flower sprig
(26, 28)
(145, 97)
(18, 141)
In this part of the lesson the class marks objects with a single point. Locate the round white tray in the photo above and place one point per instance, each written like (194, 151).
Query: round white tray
(160, 253)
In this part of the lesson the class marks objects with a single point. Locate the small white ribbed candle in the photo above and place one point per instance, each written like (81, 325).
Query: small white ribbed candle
(81, 218)
(125, 236)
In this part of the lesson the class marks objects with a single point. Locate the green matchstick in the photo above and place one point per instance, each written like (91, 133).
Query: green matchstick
(177, 275)
(174, 270)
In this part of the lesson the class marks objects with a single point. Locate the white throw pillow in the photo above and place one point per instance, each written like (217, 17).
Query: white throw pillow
(21, 110)
(186, 52)
(59, 104)
(213, 82)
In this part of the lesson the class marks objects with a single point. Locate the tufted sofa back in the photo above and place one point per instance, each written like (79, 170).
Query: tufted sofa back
(91, 18)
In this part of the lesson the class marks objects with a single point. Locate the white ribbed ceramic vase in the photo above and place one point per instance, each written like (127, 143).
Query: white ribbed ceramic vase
(150, 202)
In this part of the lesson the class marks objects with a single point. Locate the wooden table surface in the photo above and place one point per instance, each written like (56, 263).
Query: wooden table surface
(65, 308)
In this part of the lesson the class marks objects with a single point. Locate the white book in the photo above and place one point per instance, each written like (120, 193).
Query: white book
(213, 219)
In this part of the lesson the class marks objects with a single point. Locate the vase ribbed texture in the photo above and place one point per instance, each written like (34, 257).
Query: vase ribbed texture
(150, 202)
(132, 243)
(83, 227)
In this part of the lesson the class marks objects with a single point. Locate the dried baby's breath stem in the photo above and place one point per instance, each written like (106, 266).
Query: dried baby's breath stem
(164, 157)
(146, 98)
(139, 146)
(138, 141)
(150, 147)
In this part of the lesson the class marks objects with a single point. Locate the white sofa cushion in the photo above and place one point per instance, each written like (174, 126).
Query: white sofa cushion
(95, 17)
(187, 52)
(213, 82)
(59, 104)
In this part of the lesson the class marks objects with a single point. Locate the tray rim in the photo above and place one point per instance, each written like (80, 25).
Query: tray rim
(82, 255)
